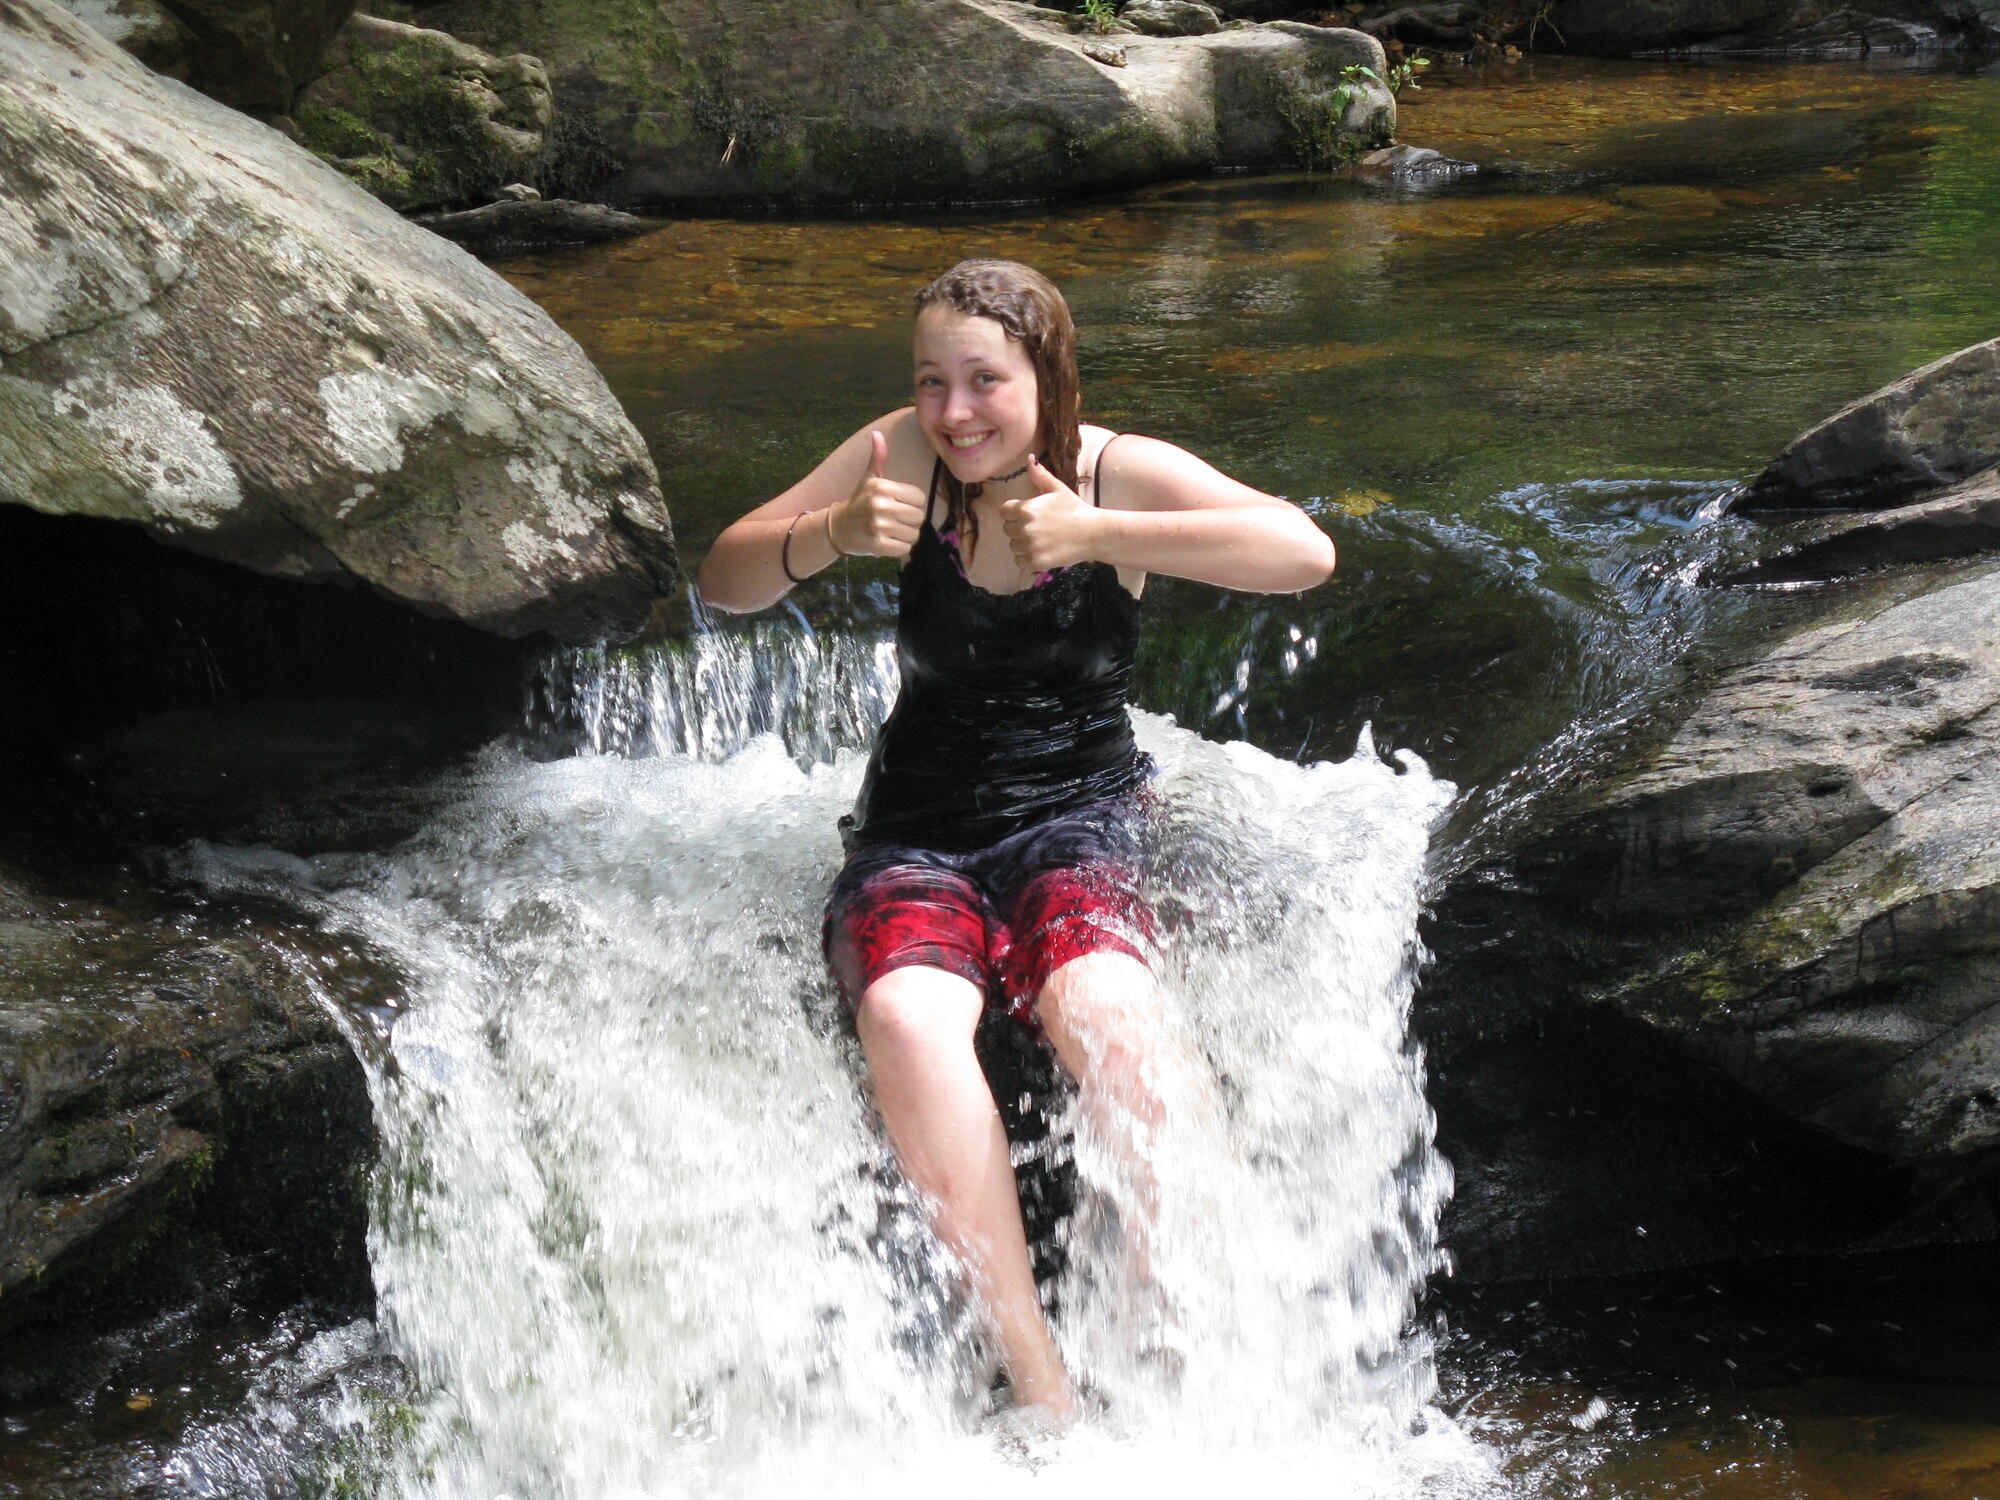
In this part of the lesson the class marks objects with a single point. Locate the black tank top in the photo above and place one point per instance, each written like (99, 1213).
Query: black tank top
(1012, 707)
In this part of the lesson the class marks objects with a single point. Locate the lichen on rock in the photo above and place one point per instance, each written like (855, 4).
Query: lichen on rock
(213, 334)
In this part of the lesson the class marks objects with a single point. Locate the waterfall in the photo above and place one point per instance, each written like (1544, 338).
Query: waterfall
(635, 1234)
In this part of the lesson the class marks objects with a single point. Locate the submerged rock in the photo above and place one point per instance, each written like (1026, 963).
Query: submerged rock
(960, 100)
(1934, 427)
(524, 224)
(422, 120)
(213, 335)
(1415, 164)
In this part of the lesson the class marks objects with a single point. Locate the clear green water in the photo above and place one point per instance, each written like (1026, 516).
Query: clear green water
(1507, 398)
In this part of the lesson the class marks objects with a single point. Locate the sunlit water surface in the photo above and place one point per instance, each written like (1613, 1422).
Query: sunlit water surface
(635, 1233)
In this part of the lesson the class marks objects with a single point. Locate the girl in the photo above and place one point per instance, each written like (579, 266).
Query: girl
(991, 855)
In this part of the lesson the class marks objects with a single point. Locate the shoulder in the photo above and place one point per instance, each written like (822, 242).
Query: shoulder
(1137, 472)
(910, 454)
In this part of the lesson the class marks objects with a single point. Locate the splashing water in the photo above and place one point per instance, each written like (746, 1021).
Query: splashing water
(636, 1235)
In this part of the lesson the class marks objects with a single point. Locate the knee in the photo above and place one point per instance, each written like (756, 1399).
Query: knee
(1108, 997)
(914, 1010)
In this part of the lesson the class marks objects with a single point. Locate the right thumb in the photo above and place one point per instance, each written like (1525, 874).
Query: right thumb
(878, 461)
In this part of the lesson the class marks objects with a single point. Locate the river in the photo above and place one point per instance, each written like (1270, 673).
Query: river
(634, 1234)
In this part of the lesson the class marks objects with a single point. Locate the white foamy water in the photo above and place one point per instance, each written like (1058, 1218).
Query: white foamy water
(636, 1234)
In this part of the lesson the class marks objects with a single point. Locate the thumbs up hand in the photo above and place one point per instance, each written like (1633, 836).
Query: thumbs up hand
(1051, 528)
(882, 517)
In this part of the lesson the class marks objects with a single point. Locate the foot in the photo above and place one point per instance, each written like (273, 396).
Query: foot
(1022, 1432)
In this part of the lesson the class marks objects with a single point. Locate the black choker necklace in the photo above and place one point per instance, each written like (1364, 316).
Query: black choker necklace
(975, 490)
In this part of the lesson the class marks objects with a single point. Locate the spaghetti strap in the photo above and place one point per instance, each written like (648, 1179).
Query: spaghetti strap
(930, 496)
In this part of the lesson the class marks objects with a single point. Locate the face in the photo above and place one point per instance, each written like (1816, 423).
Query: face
(976, 394)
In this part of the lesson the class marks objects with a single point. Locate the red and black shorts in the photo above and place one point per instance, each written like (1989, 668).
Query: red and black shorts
(1004, 918)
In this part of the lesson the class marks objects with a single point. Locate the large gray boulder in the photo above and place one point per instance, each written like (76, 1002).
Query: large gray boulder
(1934, 427)
(1784, 912)
(887, 101)
(1170, 17)
(209, 333)
(1862, 993)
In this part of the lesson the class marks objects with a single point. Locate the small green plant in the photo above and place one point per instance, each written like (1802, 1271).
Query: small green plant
(1100, 15)
(1398, 76)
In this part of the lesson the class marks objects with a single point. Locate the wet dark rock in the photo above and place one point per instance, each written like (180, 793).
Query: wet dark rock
(145, 28)
(171, 1088)
(1807, 28)
(1170, 17)
(213, 335)
(1934, 427)
(517, 225)
(882, 103)
(423, 121)
(107, 628)
(250, 54)
(1962, 522)
(302, 774)
(1794, 894)
(1414, 164)
(1451, 22)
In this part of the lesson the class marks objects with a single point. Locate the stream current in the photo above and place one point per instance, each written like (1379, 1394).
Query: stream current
(635, 1231)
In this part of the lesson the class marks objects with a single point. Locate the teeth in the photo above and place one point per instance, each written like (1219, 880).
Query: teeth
(970, 442)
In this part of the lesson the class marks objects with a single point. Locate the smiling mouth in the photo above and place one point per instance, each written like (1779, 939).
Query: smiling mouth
(967, 442)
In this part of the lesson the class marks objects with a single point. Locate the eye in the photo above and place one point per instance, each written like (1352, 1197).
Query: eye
(929, 383)
(986, 377)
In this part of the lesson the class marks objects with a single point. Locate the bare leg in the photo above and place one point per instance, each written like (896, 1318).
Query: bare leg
(1102, 1014)
(916, 1027)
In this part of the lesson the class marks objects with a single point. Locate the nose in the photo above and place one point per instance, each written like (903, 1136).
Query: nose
(957, 404)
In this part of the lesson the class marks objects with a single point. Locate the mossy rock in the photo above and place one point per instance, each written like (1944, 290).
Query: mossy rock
(423, 121)
(890, 102)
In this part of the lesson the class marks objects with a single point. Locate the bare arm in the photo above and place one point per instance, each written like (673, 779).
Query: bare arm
(852, 504)
(1165, 511)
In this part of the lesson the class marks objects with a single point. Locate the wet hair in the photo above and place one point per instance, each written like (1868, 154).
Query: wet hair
(1027, 305)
